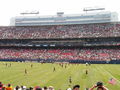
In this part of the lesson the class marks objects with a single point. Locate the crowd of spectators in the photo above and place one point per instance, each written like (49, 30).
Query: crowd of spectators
(98, 86)
(60, 31)
(10, 87)
(61, 54)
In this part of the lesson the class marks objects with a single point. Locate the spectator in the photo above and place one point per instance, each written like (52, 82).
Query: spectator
(31, 88)
(99, 86)
(38, 88)
(1, 84)
(9, 87)
(69, 88)
(45, 88)
(17, 88)
(76, 87)
(50, 88)
(1, 87)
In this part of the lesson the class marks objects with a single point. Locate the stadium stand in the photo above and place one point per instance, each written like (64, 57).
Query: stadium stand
(61, 54)
(82, 35)
(61, 31)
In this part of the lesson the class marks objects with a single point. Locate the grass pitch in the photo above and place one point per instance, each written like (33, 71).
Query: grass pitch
(43, 75)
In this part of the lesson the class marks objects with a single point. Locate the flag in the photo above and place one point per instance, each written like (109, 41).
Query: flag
(112, 81)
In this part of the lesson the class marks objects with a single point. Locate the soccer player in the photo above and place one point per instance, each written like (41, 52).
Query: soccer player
(86, 64)
(54, 69)
(6, 64)
(65, 66)
(25, 71)
(10, 65)
(31, 65)
(86, 72)
(70, 80)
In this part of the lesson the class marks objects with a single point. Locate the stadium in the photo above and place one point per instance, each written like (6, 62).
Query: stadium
(70, 49)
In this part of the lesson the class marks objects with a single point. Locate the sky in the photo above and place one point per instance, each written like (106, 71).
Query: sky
(12, 8)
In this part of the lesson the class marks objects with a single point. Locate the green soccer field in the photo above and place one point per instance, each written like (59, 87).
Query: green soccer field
(43, 75)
